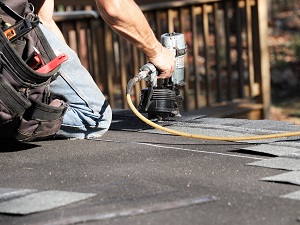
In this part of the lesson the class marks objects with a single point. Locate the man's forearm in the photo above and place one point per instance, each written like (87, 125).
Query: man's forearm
(129, 22)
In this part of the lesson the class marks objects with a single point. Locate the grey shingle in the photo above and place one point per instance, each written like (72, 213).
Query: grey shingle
(10, 193)
(278, 163)
(271, 149)
(41, 201)
(289, 177)
(294, 195)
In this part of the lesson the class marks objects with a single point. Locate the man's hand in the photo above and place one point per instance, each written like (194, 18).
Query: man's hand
(164, 61)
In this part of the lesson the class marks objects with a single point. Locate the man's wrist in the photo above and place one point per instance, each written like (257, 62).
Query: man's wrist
(154, 51)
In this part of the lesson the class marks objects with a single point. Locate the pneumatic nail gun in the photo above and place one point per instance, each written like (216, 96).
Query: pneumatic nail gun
(161, 99)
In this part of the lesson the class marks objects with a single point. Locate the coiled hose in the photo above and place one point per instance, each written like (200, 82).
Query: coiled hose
(133, 81)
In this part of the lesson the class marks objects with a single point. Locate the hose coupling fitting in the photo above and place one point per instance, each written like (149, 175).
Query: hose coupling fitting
(151, 73)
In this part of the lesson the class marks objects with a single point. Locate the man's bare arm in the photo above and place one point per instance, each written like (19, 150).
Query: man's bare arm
(45, 9)
(125, 17)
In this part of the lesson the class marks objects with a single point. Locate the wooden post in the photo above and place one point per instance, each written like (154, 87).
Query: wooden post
(205, 30)
(196, 11)
(262, 61)
(110, 66)
(217, 51)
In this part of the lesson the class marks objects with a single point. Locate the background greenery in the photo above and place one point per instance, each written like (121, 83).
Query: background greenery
(284, 42)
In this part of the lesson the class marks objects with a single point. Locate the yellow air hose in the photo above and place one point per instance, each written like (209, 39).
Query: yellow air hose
(204, 137)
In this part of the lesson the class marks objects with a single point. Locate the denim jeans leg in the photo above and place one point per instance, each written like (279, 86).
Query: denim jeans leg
(89, 114)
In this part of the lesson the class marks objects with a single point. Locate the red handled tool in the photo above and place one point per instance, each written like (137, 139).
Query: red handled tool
(54, 63)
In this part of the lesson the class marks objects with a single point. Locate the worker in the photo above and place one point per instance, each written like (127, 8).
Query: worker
(89, 114)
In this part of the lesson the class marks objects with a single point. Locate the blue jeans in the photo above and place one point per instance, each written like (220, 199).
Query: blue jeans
(89, 114)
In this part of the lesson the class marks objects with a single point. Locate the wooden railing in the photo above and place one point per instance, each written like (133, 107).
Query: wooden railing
(227, 61)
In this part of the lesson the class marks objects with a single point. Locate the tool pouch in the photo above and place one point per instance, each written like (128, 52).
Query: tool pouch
(28, 109)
